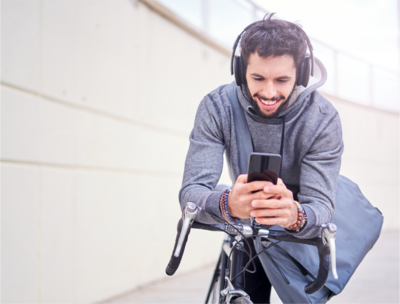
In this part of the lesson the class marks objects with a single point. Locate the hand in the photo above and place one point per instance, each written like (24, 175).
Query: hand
(241, 196)
(280, 206)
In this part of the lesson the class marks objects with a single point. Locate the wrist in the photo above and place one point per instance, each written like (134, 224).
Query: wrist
(223, 204)
(295, 218)
(301, 219)
(230, 211)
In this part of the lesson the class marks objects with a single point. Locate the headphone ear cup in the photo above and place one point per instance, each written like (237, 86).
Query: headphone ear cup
(239, 73)
(303, 74)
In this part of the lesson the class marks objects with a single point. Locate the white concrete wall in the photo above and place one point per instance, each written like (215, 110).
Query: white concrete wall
(98, 99)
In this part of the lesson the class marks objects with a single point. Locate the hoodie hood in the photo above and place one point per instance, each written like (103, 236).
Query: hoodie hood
(296, 100)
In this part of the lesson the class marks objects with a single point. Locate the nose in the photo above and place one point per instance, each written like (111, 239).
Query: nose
(269, 90)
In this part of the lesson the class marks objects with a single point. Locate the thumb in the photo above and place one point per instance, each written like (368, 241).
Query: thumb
(280, 182)
(242, 179)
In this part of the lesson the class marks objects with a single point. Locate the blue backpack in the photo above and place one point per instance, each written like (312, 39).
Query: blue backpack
(291, 266)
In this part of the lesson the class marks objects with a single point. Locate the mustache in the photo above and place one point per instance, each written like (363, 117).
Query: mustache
(271, 99)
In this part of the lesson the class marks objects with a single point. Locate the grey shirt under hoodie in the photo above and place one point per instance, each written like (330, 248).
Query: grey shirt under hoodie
(312, 150)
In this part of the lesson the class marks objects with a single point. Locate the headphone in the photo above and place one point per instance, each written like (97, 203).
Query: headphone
(302, 74)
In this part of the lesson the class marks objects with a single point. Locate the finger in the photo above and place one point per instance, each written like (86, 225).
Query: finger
(280, 213)
(280, 182)
(257, 185)
(275, 189)
(272, 221)
(270, 203)
(242, 178)
(262, 195)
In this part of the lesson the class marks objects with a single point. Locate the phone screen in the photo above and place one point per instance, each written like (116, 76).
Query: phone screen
(264, 167)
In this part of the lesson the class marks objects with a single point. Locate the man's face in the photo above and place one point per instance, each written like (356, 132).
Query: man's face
(270, 81)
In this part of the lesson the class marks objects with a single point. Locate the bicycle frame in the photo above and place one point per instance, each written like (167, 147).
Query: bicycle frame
(228, 287)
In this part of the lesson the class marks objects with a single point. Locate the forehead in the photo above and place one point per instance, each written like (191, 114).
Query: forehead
(272, 64)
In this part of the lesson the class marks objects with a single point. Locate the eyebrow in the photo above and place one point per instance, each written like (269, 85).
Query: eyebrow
(280, 77)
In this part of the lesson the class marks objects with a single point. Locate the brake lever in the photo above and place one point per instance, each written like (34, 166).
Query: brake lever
(328, 235)
(188, 215)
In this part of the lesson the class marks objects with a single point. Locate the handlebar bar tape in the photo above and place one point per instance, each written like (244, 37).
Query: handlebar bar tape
(175, 261)
(324, 258)
(210, 227)
(323, 271)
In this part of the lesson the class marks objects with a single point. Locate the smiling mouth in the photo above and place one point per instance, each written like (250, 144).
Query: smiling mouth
(269, 103)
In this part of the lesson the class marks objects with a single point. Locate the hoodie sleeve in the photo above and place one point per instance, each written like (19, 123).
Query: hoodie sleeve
(319, 177)
(204, 161)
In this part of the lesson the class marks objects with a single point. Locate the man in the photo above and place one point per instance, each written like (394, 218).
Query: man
(285, 116)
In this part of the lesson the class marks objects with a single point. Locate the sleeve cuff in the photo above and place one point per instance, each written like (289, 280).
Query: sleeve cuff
(212, 204)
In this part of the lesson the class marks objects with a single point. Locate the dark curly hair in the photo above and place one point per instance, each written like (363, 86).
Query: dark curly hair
(274, 38)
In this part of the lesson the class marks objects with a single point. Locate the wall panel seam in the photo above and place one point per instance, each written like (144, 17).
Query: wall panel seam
(94, 169)
(98, 112)
(173, 18)
(334, 98)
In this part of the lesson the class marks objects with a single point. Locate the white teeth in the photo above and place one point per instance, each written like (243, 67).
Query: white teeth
(268, 103)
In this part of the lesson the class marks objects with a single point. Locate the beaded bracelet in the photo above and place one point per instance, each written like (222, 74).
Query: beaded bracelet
(223, 205)
(301, 218)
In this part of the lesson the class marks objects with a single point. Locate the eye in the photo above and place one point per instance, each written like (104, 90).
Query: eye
(283, 80)
(258, 78)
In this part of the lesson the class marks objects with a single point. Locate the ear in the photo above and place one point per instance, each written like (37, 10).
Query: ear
(303, 74)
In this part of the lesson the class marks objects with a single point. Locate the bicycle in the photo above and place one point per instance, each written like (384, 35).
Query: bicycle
(226, 283)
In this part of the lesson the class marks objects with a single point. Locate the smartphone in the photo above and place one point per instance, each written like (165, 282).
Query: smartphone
(264, 167)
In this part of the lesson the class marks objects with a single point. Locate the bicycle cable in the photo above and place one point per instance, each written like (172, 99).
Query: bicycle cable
(272, 244)
(250, 253)
(246, 266)
(244, 238)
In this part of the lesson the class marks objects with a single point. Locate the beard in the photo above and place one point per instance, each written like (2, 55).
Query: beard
(256, 106)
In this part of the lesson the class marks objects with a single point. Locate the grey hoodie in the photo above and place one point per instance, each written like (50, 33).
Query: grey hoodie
(312, 150)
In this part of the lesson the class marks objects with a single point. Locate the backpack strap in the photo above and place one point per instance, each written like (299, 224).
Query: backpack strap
(243, 136)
